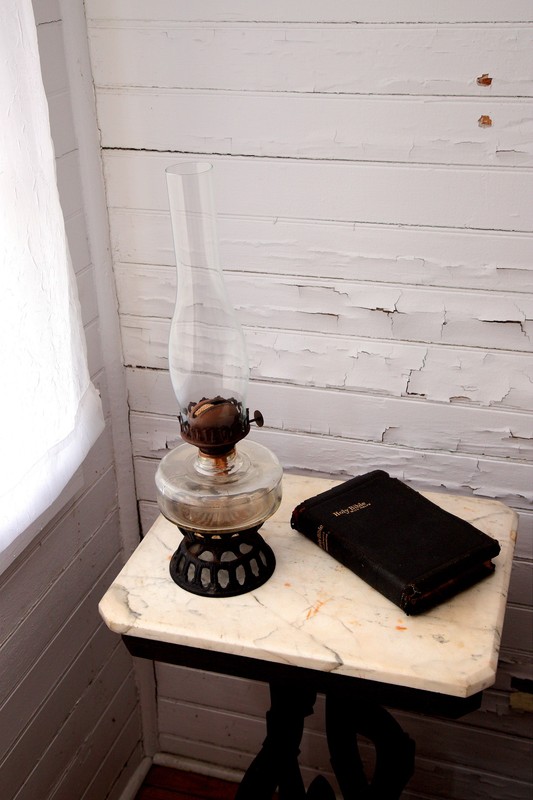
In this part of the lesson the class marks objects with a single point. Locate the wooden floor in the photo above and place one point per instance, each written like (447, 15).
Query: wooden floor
(163, 783)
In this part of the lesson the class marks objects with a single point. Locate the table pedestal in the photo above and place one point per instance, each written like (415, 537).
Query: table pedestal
(276, 765)
(354, 708)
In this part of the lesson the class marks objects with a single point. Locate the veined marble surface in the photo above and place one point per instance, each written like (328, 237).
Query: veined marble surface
(315, 613)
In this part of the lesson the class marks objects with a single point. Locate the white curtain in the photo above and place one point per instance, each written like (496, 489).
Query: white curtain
(50, 413)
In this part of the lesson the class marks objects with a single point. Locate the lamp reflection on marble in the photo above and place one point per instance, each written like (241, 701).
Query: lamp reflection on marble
(217, 488)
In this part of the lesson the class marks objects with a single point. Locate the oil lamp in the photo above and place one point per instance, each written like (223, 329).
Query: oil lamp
(217, 488)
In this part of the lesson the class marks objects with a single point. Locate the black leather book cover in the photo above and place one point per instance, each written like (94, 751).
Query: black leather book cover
(399, 542)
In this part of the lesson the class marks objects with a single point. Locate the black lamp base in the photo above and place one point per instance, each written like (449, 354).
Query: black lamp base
(222, 565)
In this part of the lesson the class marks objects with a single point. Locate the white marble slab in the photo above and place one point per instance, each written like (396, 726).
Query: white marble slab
(313, 612)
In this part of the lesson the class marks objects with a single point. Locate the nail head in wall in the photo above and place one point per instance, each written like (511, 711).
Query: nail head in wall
(484, 121)
(484, 80)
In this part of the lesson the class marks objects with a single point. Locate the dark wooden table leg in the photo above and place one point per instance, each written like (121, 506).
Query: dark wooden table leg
(276, 765)
(348, 717)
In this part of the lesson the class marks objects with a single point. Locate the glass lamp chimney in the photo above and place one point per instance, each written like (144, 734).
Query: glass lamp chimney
(207, 353)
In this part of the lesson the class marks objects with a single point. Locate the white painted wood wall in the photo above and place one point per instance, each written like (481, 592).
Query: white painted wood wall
(70, 720)
(373, 169)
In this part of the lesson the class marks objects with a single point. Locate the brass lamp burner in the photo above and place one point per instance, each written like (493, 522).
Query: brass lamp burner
(216, 425)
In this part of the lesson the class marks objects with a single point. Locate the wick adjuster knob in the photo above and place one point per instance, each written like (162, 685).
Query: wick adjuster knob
(258, 419)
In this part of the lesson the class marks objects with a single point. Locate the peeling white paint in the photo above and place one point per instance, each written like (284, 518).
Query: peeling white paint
(378, 253)
(351, 58)
(360, 309)
(311, 126)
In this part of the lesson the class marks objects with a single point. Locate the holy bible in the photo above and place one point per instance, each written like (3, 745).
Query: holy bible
(399, 542)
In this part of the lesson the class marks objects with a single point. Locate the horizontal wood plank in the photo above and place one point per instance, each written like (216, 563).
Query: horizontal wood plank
(368, 419)
(444, 741)
(251, 698)
(480, 131)
(454, 782)
(508, 481)
(379, 253)
(329, 190)
(348, 59)
(348, 308)
(235, 731)
(438, 373)
(200, 752)
(240, 696)
(386, 370)
(521, 586)
(390, 11)
(518, 629)
(396, 369)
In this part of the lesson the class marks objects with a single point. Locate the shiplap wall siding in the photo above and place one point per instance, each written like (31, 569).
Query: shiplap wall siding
(373, 176)
(70, 723)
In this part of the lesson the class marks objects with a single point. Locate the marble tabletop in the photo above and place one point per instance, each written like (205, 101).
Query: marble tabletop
(315, 613)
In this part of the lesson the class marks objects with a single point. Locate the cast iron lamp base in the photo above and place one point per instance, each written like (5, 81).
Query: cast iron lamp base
(222, 565)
